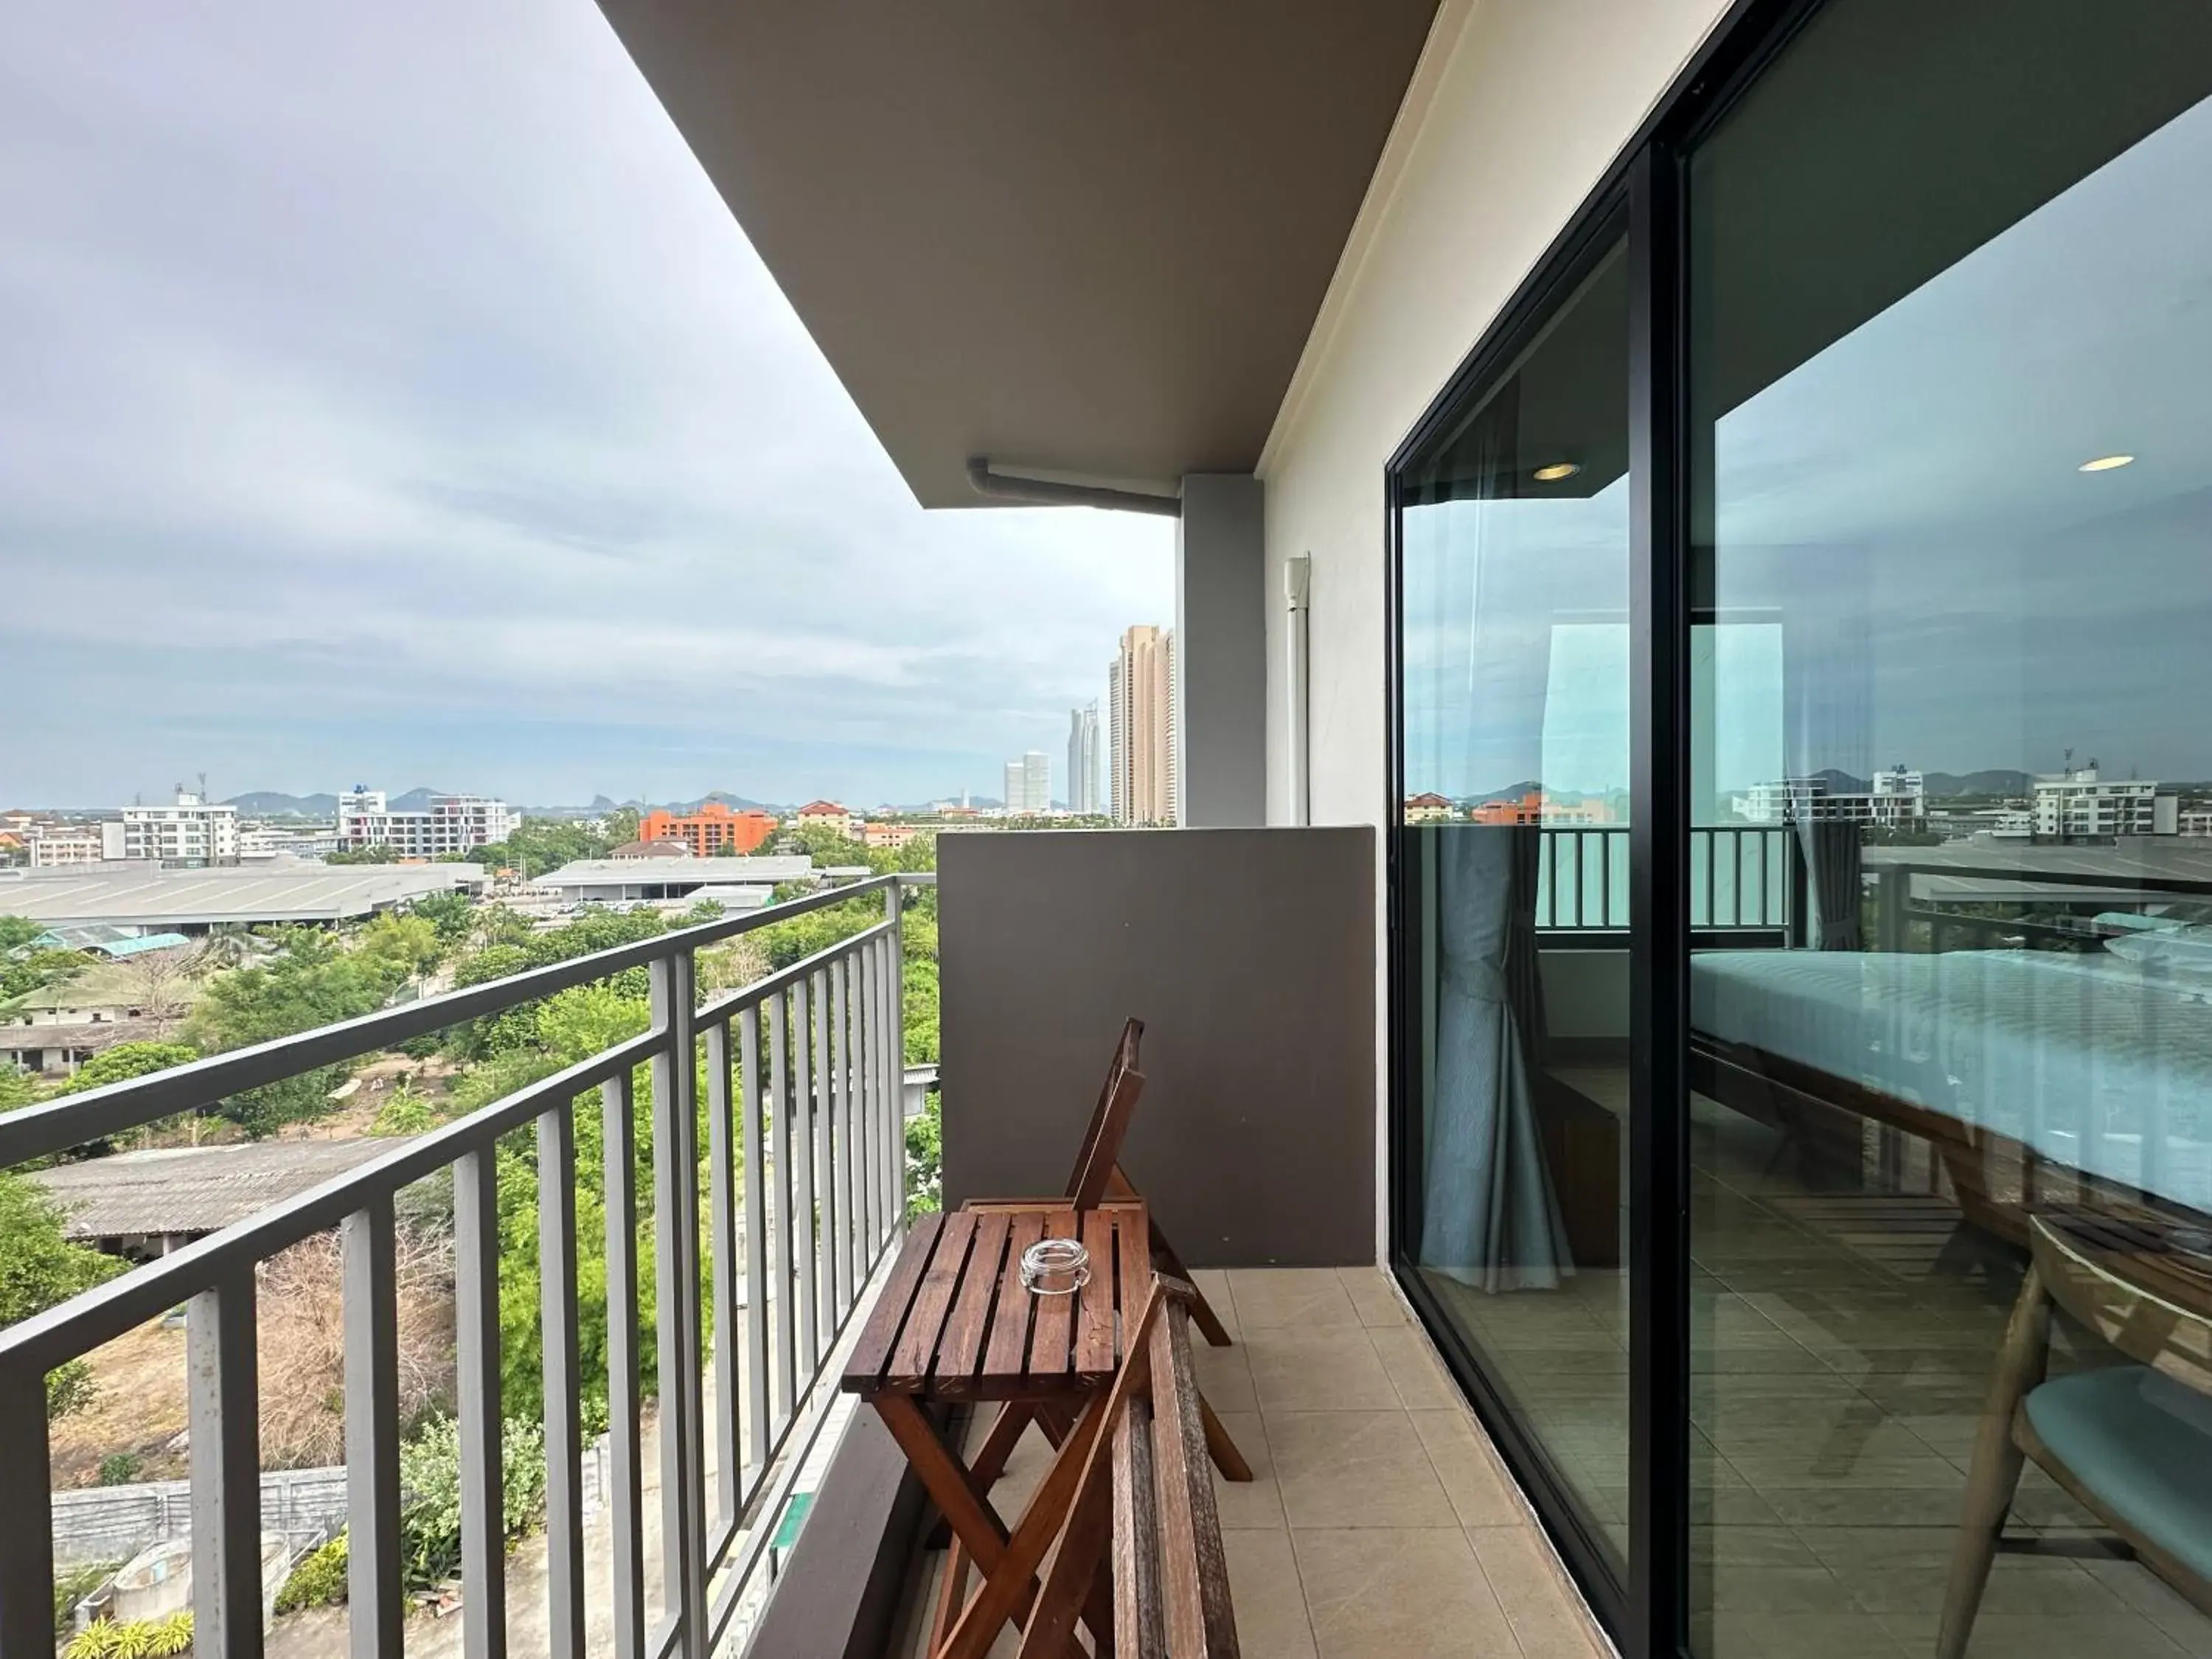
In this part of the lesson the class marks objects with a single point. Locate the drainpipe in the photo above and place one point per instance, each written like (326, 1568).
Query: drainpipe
(1047, 492)
(1298, 588)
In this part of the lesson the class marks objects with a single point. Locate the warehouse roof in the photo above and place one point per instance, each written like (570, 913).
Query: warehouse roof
(631, 872)
(148, 895)
(195, 1190)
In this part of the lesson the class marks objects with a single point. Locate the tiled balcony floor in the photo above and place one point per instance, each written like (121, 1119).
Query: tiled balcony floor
(1381, 1523)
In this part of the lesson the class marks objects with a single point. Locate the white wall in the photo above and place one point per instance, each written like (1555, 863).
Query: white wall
(1516, 110)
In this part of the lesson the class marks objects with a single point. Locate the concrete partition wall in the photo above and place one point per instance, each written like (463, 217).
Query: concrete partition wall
(1249, 954)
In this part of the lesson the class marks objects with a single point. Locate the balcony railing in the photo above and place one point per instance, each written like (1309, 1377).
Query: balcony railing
(805, 1171)
(1739, 877)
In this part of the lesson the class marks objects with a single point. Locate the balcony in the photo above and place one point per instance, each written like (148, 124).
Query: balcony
(1380, 1520)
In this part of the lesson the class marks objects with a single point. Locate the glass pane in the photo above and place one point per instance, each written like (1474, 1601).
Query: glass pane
(1515, 857)
(1952, 338)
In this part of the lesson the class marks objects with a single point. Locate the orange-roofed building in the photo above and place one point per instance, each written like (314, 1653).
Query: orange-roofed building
(828, 814)
(1537, 807)
(715, 830)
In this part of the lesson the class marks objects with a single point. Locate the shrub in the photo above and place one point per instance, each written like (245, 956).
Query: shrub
(318, 1579)
(73, 1586)
(120, 1468)
(430, 1475)
(135, 1638)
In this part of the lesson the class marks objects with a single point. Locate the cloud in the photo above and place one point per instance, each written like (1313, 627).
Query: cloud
(391, 398)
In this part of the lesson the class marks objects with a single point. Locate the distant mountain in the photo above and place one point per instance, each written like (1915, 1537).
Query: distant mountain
(272, 804)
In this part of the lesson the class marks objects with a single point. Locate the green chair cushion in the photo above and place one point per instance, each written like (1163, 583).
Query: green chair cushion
(2142, 1443)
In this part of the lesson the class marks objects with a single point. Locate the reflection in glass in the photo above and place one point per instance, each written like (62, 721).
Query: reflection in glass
(1515, 537)
(1952, 1141)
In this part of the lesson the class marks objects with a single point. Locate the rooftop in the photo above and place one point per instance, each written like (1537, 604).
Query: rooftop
(615, 873)
(151, 896)
(195, 1190)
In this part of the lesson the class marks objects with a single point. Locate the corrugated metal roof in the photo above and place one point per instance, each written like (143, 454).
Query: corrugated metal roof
(195, 1190)
(150, 896)
(631, 872)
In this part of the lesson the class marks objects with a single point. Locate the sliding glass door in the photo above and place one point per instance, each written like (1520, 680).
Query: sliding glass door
(1514, 896)
(1950, 369)
(1802, 611)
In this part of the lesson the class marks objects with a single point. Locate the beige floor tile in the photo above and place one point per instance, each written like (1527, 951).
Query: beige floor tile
(1225, 1375)
(1212, 1284)
(2032, 1636)
(1546, 1614)
(1329, 1370)
(1396, 1593)
(1341, 1469)
(1269, 1601)
(1413, 1369)
(1482, 1494)
(1257, 1502)
(1797, 1635)
(1271, 1298)
(1372, 1298)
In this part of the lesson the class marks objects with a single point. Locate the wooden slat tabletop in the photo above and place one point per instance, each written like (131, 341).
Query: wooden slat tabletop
(954, 1322)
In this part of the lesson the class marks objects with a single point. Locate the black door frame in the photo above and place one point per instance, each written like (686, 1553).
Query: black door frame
(1648, 1609)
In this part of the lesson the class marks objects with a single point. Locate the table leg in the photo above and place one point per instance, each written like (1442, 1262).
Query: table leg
(975, 1525)
(990, 1463)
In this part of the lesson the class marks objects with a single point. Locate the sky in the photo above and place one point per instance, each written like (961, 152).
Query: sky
(389, 399)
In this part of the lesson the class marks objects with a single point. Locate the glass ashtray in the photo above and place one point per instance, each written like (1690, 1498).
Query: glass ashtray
(1055, 1266)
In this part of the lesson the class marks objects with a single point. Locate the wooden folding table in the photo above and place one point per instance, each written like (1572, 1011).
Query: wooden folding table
(954, 1324)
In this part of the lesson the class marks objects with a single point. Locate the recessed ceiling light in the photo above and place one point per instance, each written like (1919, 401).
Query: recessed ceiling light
(2102, 464)
(1557, 470)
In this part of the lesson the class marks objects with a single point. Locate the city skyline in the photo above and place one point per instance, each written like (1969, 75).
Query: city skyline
(487, 455)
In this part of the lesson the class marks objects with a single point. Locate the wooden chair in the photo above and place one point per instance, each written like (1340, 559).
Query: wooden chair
(1145, 1496)
(2131, 1444)
(1098, 1176)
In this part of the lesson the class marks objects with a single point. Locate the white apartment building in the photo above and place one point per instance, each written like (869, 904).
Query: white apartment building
(1895, 800)
(1083, 759)
(192, 830)
(1029, 785)
(2079, 804)
(2196, 823)
(53, 847)
(451, 823)
(269, 841)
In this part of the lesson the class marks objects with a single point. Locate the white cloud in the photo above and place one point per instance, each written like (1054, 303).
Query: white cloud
(390, 396)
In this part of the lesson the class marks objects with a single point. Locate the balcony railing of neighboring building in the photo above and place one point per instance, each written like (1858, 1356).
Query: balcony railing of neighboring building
(1740, 879)
(805, 1175)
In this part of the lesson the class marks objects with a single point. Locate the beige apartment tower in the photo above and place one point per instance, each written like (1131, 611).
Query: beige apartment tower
(1141, 699)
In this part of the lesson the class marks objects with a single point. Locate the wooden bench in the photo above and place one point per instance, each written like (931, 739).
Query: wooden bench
(1145, 1501)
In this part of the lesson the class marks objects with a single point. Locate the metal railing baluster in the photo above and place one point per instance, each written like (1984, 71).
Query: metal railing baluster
(676, 1236)
(849, 1190)
(371, 1313)
(476, 1345)
(825, 1168)
(224, 1418)
(722, 1222)
(803, 1275)
(559, 1339)
(27, 1543)
(787, 1327)
(626, 1474)
(756, 1241)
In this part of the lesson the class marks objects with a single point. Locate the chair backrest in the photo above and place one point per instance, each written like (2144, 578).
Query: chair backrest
(1109, 1121)
(2133, 1284)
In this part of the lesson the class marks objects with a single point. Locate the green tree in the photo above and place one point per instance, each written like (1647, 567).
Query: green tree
(381, 854)
(126, 1061)
(452, 913)
(40, 1268)
(312, 981)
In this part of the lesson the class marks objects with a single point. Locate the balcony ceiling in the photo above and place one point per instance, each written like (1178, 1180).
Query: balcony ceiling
(1078, 239)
